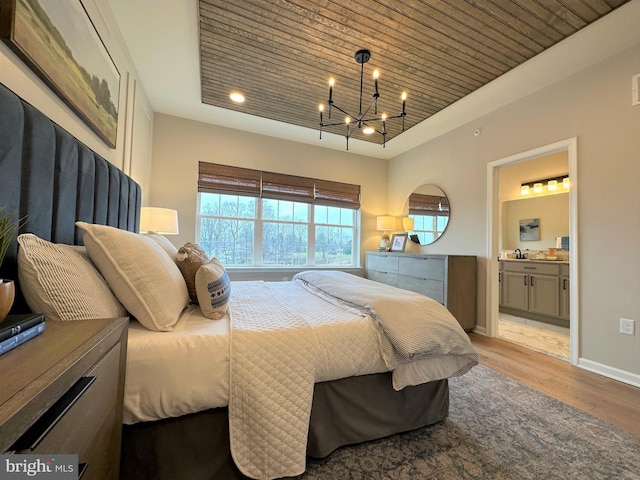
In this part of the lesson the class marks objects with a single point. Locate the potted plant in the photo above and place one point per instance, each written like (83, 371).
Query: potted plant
(8, 230)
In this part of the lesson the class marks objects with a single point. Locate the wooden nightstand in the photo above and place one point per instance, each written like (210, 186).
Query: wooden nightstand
(62, 394)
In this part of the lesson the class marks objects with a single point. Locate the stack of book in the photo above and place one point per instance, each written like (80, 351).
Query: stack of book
(17, 329)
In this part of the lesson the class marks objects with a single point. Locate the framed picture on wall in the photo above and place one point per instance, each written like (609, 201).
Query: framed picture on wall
(398, 242)
(58, 41)
(530, 229)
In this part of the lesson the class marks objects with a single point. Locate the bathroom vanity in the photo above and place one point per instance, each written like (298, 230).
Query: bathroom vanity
(535, 289)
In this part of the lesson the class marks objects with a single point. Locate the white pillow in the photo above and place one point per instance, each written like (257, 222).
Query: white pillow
(60, 282)
(213, 289)
(144, 278)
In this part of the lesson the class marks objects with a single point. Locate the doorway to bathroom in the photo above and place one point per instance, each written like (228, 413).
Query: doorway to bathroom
(526, 225)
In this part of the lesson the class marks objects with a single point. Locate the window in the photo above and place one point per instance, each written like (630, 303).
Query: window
(430, 215)
(252, 218)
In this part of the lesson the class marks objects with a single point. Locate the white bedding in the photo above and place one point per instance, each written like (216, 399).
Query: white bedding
(174, 373)
(278, 339)
(185, 371)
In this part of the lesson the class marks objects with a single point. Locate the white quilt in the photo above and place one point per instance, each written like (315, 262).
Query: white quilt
(282, 340)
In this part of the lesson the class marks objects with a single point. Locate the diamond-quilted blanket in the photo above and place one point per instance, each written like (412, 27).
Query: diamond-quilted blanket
(285, 336)
(283, 339)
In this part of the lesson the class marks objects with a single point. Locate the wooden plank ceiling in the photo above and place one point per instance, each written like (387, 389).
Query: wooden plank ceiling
(281, 53)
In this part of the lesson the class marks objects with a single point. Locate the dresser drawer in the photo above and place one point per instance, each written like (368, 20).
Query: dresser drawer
(84, 409)
(383, 277)
(431, 268)
(383, 263)
(431, 288)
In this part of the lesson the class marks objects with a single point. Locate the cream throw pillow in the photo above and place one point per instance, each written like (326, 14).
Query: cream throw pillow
(213, 288)
(60, 282)
(144, 278)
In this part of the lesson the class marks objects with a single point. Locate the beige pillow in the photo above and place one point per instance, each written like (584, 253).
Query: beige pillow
(144, 278)
(60, 282)
(166, 245)
(213, 288)
(189, 259)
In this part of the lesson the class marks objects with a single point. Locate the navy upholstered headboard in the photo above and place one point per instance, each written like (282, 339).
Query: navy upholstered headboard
(49, 175)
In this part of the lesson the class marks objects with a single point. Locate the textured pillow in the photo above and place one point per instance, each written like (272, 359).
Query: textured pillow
(189, 259)
(144, 278)
(213, 288)
(161, 240)
(60, 282)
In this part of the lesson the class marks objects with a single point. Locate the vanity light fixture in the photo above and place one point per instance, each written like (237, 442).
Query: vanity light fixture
(369, 123)
(550, 184)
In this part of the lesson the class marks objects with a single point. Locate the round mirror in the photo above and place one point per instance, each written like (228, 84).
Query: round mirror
(428, 207)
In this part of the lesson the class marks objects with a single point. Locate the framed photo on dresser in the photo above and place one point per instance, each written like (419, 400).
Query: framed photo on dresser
(398, 242)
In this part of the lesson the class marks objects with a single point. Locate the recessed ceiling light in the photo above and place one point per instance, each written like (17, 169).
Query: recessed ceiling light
(236, 97)
(368, 130)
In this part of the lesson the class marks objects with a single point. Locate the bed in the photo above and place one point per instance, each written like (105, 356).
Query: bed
(347, 369)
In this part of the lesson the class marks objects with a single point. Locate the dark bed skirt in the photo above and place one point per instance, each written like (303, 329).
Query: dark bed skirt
(344, 412)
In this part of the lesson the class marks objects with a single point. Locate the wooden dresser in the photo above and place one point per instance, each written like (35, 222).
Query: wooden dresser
(448, 279)
(62, 394)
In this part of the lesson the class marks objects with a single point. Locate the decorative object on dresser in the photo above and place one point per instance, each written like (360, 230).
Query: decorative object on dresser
(384, 224)
(398, 242)
(62, 394)
(448, 279)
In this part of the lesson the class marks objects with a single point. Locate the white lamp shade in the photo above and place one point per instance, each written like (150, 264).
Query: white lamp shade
(407, 224)
(386, 222)
(159, 220)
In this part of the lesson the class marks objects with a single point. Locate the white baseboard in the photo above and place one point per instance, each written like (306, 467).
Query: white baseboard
(610, 372)
(480, 330)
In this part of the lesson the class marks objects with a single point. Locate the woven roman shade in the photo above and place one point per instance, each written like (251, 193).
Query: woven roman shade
(287, 187)
(336, 194)
(420, 204)
(225, 179)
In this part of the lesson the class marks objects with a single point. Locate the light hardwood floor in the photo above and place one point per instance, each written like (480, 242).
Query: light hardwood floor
(602, 397)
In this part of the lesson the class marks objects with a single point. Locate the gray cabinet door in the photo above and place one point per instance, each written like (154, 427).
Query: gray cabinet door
(515, 290)
(544, 295)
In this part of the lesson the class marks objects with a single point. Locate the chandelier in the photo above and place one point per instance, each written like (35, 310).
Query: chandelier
(369, 123)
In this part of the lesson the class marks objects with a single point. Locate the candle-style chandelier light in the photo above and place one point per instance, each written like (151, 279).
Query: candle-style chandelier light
(368, 124)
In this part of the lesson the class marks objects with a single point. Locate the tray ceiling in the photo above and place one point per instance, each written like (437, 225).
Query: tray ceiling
(280, 54)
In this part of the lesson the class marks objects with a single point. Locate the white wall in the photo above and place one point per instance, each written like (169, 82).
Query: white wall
(133, 149)
(594, 106)
(180, 144)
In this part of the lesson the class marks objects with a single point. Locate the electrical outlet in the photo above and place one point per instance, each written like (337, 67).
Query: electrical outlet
(627, 326)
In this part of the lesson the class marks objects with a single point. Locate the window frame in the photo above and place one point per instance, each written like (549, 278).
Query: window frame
(258, 232)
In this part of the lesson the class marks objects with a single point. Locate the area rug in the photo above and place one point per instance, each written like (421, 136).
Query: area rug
(497, 429)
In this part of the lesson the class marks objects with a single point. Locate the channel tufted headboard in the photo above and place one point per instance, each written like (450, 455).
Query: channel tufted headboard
(49, 175)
